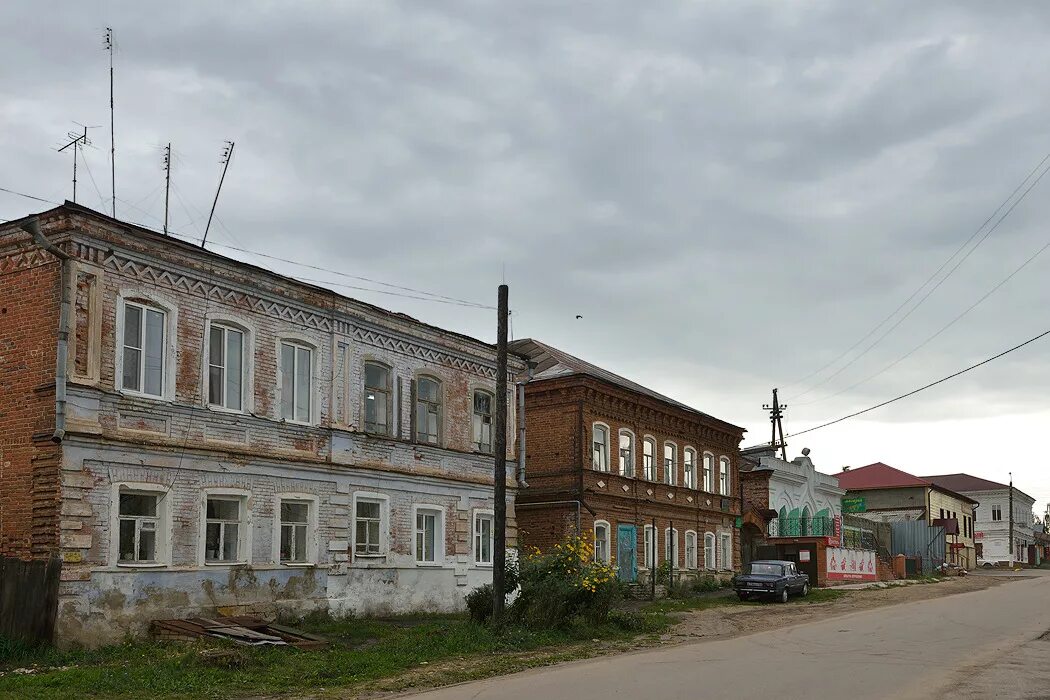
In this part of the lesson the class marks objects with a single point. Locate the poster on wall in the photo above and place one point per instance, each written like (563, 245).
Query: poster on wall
(850, 564)
(803, 555)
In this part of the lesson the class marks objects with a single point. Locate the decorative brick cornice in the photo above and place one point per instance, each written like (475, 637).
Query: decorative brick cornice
(405, 347)
(24, 259)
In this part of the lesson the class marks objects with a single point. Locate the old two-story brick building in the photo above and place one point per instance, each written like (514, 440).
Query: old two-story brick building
(648, 478)
(217, 437)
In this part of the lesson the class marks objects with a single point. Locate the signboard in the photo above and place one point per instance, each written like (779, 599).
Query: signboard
(854, 505)
(851, 564)
(803, 555)
(978, 535)
(836, 539)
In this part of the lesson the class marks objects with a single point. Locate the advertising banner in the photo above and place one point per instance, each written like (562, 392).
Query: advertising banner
(851, 564)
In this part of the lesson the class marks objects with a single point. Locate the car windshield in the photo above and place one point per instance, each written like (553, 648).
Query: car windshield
(767, 569)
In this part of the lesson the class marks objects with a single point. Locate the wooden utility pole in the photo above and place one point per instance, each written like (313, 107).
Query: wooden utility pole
(108, 43)
(167, 184)
(1012, 550)
(499, 473)
(227, 154)
(776, 414)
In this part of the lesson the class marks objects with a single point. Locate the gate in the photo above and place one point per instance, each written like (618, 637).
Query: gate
(28, 599)
(914, 538)
(627, 553)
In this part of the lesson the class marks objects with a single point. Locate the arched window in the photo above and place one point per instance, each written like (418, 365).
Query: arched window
(429, 409)
(601, 542)
(143, 348)
(690, 550)
(670, 463)
(672, 547)
(377, 398)
(227, 366)
(805, 526)
(600, 447)
(709, 551)
(690, 467)
(723, 476)
(650, 544)
(649, 459)
(709, 461)
(483, 401)
(626, 453)
(297, 391)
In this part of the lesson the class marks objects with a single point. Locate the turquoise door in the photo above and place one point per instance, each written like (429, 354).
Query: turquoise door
(627, 553)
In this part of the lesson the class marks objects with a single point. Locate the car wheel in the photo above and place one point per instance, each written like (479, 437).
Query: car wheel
(783, 598)
(805, 589)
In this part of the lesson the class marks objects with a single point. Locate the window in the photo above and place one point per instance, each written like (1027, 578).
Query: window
(727, 552)
(428, 410)
(226, 367)
(690, 468)
(143, 349)
(723, 476)
(295, 532)
(690, 550)
(296, 382)
(483, 543)
(222, 530)
(368, 531)
(377, 399)
(997, 513)
(670, 463)
(429, 536)
(672, 548)
(650, 542)
(138, 524)
(709, 550)
(708, 464)
(601, 542)
(483, 421)
(600, 447)
(626, 453)
(648, 455)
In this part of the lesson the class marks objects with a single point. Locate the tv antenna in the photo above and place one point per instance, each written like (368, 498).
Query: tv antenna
(776, 414)
(107, 43)
(227, 154)
(167, 183)
(77, 142)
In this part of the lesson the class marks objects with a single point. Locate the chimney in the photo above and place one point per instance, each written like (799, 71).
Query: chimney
(845, 468)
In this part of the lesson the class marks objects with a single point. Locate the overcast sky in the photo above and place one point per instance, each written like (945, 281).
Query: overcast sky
(731, 194)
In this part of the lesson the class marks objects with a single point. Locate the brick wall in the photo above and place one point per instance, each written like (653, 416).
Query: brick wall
(29, 309)
(756, 489)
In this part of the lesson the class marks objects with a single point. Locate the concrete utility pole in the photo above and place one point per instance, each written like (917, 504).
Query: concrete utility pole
(499, 473)
(108, 44)
(167, 184)
(776, 413)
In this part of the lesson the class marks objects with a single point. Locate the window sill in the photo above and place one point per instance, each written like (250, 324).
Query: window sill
(225, 563)
(142, 565)
(306, 424)
(228, 411)
(430, 564)
(298, 564)
(131, 393)
(482, 565)
(369, 556)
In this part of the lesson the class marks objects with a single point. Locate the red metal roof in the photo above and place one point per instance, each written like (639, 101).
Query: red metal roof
(964, 483)
(878, 476)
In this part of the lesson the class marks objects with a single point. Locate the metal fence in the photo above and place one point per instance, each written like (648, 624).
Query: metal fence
(801, 527)
(914, 538)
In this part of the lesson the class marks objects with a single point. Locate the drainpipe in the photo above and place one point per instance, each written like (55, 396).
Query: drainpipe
(521, 426)
(62, 355)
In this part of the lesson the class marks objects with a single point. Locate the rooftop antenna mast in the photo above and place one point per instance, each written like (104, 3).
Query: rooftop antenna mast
(108, 45)
(77, 142)
(227, 154)
(776, 414)
(167, 183)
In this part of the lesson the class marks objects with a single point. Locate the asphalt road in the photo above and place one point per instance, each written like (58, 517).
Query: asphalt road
(965, 645)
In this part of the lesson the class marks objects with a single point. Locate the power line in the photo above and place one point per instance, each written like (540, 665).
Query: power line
(923, 388)
(28, 196)
(943, 328)
(927, 282)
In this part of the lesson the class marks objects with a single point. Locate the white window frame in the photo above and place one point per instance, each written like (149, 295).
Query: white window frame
(247, 364)
(162, 549)
(668, 535)
(389, 391)
(709, 549)
(689, 467)
(384, 525)
(439, 533)
(474, 437)
(651, 474)
(708, 466)
(144, 299)
(244, 525)
(607, 540)
(315, 358)
(313, 515)
(724, 470)
(627, 469)
(670, 474)
(475, 551)
(691, 559)
(648, 547)
(725, 551)
(603, 450)
(996, 510)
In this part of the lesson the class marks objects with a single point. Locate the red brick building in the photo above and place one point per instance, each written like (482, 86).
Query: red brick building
(608, 458)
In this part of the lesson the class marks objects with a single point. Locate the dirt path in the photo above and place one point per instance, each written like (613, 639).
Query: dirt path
(733, 620)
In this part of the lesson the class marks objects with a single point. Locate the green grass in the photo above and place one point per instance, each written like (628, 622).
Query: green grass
(361, 652)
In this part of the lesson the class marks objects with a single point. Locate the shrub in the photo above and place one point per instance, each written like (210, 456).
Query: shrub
(627, 621)
(479, 603)
(707, 583)
(663, 573)
(563, 585)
